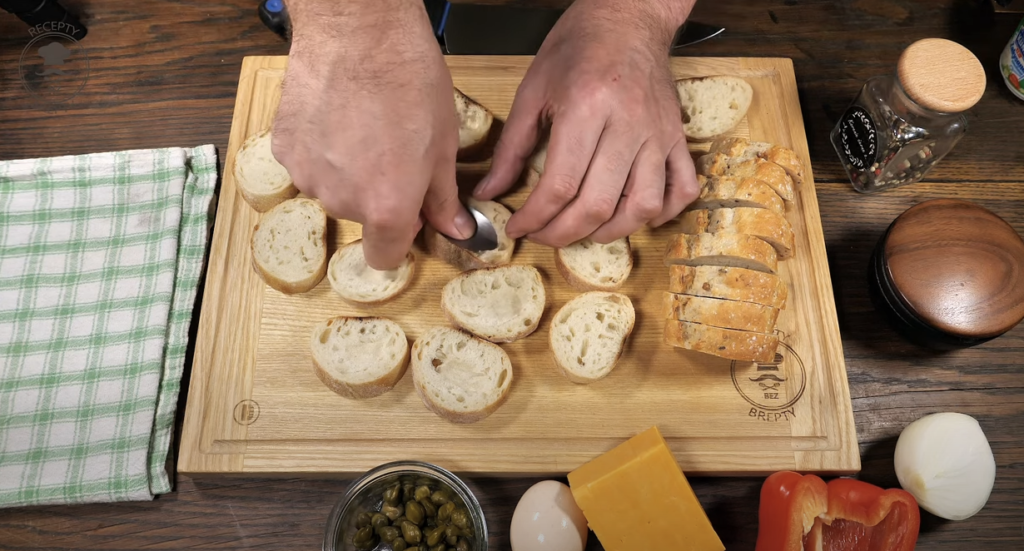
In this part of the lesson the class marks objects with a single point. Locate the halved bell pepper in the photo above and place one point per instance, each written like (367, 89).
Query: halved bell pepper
(803, 513)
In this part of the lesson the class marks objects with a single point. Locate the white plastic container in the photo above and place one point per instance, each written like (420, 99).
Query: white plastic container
(1011, 64)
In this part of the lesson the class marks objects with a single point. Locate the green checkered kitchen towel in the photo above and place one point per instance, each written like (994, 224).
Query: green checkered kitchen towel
(100, 257)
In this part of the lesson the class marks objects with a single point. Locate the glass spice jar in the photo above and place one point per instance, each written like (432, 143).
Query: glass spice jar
(901, 125)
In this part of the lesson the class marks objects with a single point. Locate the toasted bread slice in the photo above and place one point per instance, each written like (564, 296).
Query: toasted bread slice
(727, 191)
(262, 181)
(359, 357)
(731, 250)
(724, 343)
(459, 377)
(439, 246)
(590, 266)
(741, 150)
(588, 335)
(501, 304)
(729, 283)
(475, 123)
(764, 224)
(356, 282)
(718, 312)
(289, 250)
(713, 106)
(535, 163)
(717, 164)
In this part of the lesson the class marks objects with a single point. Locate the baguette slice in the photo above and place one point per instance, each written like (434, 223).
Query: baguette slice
(731, 250)
(439, 246)
(262, 181)
(535, 163)
(501, 304)
(764, 224)
(359, 357)
(588, 335)
(727, 191)
(475, 123)
(289, 250)
(590, 266)
(717, 164)
(712, 106)
(729, 283)
(724, 343)
(356, 282)
(742, 150)
(459, 377)
(718, 312)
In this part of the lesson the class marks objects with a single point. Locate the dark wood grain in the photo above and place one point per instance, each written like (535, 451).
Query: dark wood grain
(165, 73)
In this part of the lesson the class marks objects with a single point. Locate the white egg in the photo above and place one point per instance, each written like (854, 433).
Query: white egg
(548, 519)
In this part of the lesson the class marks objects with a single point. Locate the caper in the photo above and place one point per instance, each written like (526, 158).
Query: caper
(423, 547)
(463, 545)
(393, 512)
(451, 540)
(438, 547)
(398, 544)
(428, 508)
(452, 531)
(398, 521)
(422, 492)
(389, 533)
(439, 498)
(393, 494)
(363, 519)
(364, 538)
(434, 536)
(408, 491)
(444, 512)
(414, 513)
(460, 518)
(411, 533)
(378, 520)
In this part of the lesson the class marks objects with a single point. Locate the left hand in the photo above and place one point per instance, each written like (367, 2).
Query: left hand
(617, 156)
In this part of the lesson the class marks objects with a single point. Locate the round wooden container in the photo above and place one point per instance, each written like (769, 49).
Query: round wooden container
(951, 273)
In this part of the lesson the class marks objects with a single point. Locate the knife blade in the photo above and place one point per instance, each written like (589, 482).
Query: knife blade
(477, 29)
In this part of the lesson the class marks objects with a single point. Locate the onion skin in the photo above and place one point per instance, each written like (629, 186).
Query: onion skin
(946, 463)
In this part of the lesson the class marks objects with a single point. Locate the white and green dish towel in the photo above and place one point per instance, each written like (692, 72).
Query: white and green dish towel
(100, 258)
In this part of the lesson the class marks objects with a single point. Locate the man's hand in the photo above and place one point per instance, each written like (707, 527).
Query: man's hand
(367, 121)
(617, 157)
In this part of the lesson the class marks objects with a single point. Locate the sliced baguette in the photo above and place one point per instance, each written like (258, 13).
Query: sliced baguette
(356, 282)
(262, 181)
(724, 343)
(741, 149)
(459, 377)
(438, 245)
(501, 304)
(727, 191)
(764, 224)
(718, 312)
(535, 163)
(731, 250)
(289, 250)
(717, 164)
(712, 106)
(590, 266)
(588, 335)
(729, 283)
(359, 357)
(475, 123)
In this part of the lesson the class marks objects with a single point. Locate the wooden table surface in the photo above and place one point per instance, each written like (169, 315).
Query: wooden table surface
(164, 74)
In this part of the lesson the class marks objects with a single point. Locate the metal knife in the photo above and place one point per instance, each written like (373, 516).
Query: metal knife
(475, 29)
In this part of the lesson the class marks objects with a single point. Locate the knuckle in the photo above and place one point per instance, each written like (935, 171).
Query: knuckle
(648, 206)
(600, 208)
(562, 187)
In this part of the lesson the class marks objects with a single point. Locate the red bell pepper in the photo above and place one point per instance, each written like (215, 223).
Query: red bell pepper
(799, 513)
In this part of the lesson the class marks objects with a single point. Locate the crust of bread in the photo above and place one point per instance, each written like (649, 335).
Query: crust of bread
(286, 287)
(723, 343)
(764, 224)
(717, 312)
(709, 248)
(788, 160)
(410, 257)
(729, 283)
(260, 202)
(717, 164)
(728, 191)
(472, 137)
(438, 245)
(360, 391)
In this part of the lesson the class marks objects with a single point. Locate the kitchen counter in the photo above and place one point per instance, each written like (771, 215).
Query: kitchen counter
(165, 74)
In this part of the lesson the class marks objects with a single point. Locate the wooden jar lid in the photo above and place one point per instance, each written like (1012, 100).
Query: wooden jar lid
(941, 75)
(957, 268)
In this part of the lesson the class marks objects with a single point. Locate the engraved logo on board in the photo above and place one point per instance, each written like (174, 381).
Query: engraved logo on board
(247, 412)
(771, 388)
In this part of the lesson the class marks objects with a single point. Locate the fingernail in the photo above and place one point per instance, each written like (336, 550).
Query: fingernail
(464, 224)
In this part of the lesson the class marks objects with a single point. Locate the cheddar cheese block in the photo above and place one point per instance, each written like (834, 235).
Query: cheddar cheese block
(636, 497)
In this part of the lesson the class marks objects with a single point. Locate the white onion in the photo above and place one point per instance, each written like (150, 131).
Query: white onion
(946, 463)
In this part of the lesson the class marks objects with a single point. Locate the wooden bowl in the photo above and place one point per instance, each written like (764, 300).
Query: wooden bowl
(951, 272)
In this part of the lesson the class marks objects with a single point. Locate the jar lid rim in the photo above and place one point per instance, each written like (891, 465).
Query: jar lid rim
(941, 75)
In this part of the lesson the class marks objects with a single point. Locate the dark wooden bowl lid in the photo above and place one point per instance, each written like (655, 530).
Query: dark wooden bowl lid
(958, 267)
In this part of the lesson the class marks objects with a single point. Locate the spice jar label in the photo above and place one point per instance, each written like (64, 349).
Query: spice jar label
(858, 137)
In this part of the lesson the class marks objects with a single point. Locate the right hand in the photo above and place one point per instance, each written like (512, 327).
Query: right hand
(367, 122)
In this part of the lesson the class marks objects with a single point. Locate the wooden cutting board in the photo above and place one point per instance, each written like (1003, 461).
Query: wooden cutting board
(255, 406)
